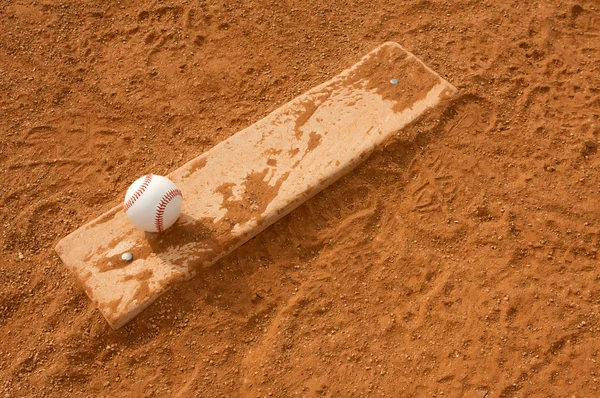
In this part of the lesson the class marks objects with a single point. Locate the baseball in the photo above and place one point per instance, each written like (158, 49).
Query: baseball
(153, 203)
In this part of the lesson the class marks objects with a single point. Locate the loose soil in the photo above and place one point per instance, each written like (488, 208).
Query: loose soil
(459, 260)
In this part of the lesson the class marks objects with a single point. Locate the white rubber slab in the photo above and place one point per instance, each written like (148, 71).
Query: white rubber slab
(249, 181)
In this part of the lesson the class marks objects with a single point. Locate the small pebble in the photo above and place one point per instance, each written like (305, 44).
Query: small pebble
(127, 256)
(394, 81)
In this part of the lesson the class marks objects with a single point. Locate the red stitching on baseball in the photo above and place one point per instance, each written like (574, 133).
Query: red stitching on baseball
(136, 195)
(162, 205)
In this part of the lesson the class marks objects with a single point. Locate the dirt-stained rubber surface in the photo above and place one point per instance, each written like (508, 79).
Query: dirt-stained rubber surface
(460, 260)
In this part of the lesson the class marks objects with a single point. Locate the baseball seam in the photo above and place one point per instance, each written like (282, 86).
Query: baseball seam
(136, 195)
(162, 205)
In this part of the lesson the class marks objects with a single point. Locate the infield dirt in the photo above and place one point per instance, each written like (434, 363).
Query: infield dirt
(459, 260)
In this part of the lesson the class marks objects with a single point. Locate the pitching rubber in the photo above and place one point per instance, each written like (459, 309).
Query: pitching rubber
(247, 182)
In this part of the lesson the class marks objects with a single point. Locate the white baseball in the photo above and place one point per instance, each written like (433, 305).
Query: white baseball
(153, 203)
